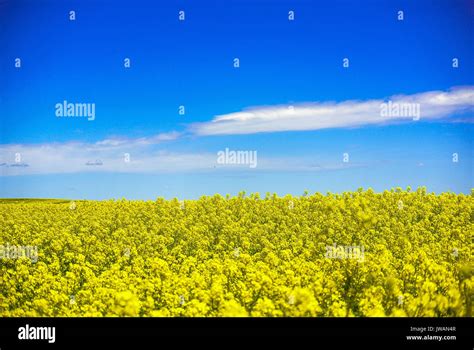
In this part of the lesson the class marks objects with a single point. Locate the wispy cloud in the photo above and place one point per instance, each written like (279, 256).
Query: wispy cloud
(139, 155)
(83, 157)
(133, 157)
(131, 142)
(323, 115)
(149, 155)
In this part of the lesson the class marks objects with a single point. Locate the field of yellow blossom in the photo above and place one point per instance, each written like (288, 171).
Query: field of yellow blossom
(396, 253)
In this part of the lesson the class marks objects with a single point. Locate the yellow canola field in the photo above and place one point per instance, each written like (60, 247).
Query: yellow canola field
(396, 253)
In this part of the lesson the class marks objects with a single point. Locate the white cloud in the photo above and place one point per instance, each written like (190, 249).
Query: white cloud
(151, 140)
(105, 155)
(77, 157)
(109, 155)
(82, 157)
(317, 115)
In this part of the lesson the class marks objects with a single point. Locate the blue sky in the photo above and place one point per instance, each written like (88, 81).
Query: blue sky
(291, 100)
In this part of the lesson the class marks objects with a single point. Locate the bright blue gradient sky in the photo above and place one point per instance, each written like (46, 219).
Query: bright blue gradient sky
(190, 63)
